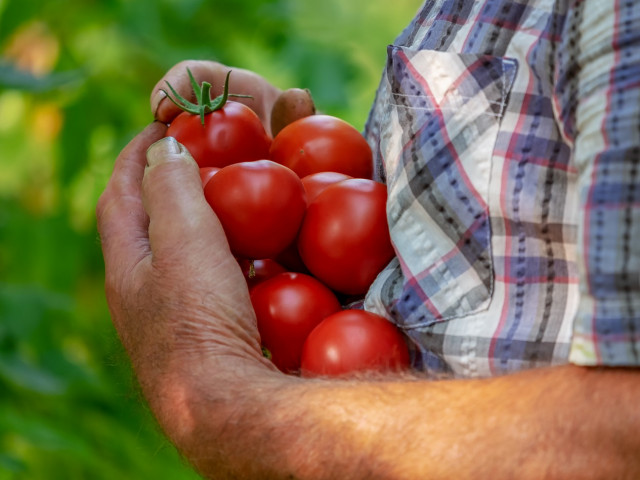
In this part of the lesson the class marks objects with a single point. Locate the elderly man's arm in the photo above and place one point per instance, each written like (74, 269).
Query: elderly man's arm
(181, 307)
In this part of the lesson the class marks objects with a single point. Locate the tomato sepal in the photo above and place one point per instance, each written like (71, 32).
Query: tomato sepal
(204, 103)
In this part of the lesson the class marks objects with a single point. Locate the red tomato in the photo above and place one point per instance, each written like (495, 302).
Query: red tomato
(315, 183)
(322, 143)
(206, 173)
(290, 259)
(260, 205)
(232, 134)
(288, 306)
(344, 239)
(353, 341)
(262, 270)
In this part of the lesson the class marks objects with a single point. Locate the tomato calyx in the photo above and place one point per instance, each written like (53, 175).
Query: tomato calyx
(204, 103)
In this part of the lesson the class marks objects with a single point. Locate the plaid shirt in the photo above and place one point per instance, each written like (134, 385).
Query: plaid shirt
(508, 133)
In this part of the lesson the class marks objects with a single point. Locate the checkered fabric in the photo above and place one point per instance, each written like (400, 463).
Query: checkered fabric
(508, 133)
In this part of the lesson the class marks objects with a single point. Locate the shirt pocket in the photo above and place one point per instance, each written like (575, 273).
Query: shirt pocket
(442, 117)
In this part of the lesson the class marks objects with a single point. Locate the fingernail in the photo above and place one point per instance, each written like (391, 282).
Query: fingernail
(155, 101)
(164, 150)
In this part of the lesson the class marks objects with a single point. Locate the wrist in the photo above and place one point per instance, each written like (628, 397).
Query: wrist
(215, 411)
(196, 391)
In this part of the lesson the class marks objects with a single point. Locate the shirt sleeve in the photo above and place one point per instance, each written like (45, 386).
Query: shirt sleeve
(597, 98)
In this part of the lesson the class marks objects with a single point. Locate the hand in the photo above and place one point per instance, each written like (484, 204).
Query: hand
(176, 294)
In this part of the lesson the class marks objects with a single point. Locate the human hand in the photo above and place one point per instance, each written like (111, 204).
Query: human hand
(177, 296)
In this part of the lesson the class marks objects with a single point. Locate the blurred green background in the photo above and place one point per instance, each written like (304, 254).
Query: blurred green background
(75, 78)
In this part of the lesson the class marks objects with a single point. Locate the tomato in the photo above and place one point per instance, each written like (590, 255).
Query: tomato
(206, 173)
(288, 306)
(258, 271)
(218, 132)
(229, 135)
(260, 205)
(317, 182)
(322, 143)
(344, 239)
(353, 341)
(290, 259)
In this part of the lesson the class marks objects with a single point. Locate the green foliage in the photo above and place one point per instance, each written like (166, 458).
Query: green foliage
(75, 79)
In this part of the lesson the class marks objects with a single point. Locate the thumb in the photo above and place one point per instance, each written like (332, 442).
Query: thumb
(179, 215)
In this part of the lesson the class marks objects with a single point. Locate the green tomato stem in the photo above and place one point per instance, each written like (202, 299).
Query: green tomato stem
(266, 353)
(204, 104)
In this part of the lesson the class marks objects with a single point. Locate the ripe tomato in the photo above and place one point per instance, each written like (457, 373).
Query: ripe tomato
(288, 306)
(344, 239)
(317, 182)
(353, 341)
(231, 134)
(260, 205)
(218, 132)
(290, 259)
(262, 270)
(322, 143)
(206, 173)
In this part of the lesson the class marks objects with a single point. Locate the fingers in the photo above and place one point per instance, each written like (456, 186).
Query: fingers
(121, 219)
(181, 221)
(189, 248)
(241, 81)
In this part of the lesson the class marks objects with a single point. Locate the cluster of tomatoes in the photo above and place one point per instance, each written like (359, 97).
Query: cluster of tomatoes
(308, 225)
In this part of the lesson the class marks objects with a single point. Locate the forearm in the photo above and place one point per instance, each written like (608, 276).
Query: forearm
(526, 425)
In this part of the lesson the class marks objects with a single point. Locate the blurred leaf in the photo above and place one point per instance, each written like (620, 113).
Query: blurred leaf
(22, 308)
(19, 372)
(10, 464)
(13, 78)
(41, 432)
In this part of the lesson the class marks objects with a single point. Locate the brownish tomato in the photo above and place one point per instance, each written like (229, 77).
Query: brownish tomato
(322, 143)
(288, 306)
(353, 341)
